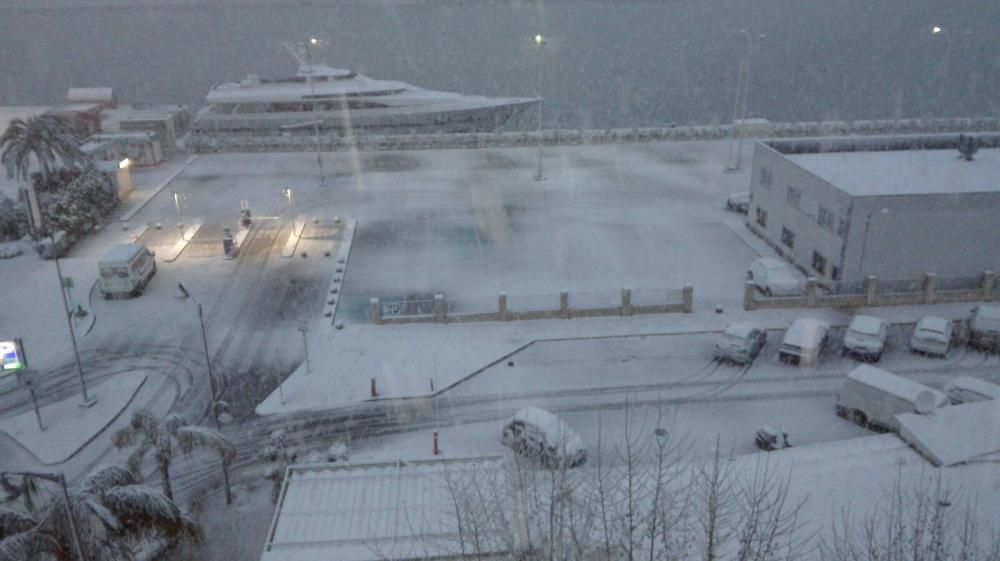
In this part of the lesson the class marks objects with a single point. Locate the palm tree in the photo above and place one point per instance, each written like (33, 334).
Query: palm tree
(111, 512)
(160, 436)
(46, 137)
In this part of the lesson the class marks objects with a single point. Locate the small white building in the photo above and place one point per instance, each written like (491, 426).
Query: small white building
(103, 96)
(841, 209)
(142, 148)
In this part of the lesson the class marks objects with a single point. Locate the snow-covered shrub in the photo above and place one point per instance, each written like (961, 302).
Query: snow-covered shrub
(75, 201)
(13, 221)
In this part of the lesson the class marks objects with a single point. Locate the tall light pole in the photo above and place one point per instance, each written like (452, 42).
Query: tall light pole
(87, 401)
(59, 478)
(208, 357)
(540, 42)
(741, 102)
(177, 207)
(314, 42)
(942, 72)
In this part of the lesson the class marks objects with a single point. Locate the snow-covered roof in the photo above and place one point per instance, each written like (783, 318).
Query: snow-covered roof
(932, 323)
(957, 434)
(805, 331)
(893, 384)
(869, 325)
(90, 94)
(555, 429)
(905, 172)
(121, 252)
(370, 512)
(739, 329)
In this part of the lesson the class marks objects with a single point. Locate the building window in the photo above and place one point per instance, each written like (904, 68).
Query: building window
(788, 237)
(835, 273)
(842, 227)
(794, 197)
(819, 263)
(765, 177)
(825, 218)
(762, 217)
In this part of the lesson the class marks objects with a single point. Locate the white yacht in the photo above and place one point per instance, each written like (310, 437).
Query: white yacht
(342, 101)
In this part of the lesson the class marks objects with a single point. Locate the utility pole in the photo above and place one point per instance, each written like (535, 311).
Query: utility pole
(87, 401)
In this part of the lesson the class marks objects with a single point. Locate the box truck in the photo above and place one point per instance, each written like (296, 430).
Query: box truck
(872, 397)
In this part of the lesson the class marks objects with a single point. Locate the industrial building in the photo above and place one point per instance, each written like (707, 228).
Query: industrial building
(841, 209)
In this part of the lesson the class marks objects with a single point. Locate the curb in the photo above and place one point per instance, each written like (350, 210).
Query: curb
(96, 434)
(182, 243)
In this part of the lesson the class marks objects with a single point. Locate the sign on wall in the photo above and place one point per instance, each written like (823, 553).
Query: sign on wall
(12, 355)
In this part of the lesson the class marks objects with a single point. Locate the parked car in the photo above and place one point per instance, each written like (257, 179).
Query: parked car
(540, 435)
(769, 439)
(931, 336)
(738, 202)
(872, 397)
(984, 328)
(774, 278)
(865, 337)
(125, 270)
(803, 341)
(965, 389)
(740, 343)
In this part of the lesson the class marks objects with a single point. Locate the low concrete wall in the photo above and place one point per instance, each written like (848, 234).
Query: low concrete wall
(209, 143)
(563, 311)
(930, 293)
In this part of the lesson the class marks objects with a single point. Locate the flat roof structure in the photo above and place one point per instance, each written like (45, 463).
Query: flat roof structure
(905, 172)
(372, 512)
(955, 435)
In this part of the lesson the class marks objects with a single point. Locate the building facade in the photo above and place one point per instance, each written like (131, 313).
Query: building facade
(893, 207)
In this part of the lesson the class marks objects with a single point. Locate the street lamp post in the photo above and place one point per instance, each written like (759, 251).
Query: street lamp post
(314, 42)
(59, 478)
(741, 102)
(177, 207)
(304, 328)
(540, 42)
(87, 401)
(208, 357)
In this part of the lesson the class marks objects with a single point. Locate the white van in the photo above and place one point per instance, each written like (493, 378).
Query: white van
(125, 270)
(872, 397)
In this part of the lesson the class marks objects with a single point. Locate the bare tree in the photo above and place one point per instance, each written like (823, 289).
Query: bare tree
(919, 521)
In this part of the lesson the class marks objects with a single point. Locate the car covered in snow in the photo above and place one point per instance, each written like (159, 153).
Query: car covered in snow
(540, 435)
(804, 341)
(984, 328)
(931, 336)
(769, 439)
(774, 278)
(740, 343)
(865, 337)
(738, 202)
(965, 389)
